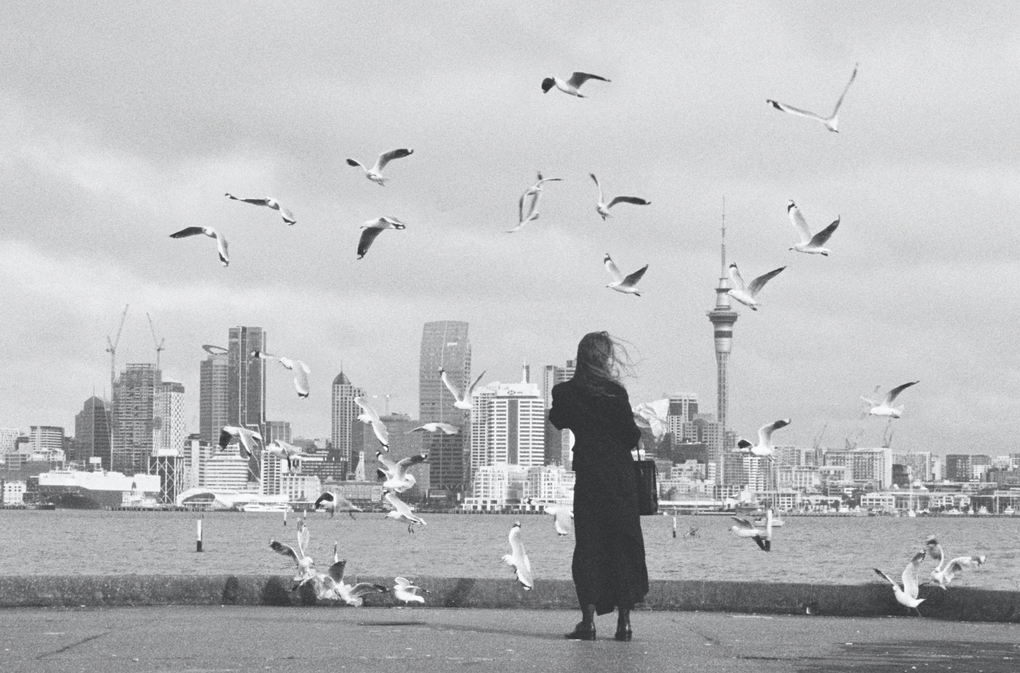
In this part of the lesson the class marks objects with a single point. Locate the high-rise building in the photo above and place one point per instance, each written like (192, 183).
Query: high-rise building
(557, 442)
(168, 419)
(8, 437)
(958, 467)
(683, 408)
(92, 432)
(348, 432)
(214, 396)
(722, 317)
(246, 392)
(507, 425)
(47, 442)
(276, 430)
(132, 418)
(445, 345)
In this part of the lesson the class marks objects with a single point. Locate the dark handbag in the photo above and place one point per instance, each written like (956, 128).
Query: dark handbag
(647, 485)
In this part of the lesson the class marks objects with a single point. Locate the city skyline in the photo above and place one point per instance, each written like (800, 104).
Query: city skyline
(918, 286)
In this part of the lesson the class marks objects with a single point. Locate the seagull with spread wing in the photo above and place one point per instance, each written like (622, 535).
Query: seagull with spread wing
(299, 554)
(334, 502)
(396, 474)
(369, 416)
(620, 284)
(814, 245)
(885, 407)
(285, 451)
(744, 528)
(375, 173)
(300, 369)
(570, 86)
(832, 121)
(527, 206)
(221, 242)
(370, 231)
(602, 208)
(247, 439)
(461, 400)
(746, 294)
(401, 511)
(268, 202)
(444, 428)
(946, 570)
(764, 448)
(404, 591)
(518, 558)
(563, 518)
(907, 594)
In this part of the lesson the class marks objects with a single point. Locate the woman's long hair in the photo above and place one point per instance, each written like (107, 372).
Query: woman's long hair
(601, 359)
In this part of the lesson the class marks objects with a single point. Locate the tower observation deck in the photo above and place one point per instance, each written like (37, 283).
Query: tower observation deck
(722, 318)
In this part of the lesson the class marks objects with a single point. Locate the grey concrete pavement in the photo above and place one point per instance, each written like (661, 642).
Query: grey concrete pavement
(196, 639)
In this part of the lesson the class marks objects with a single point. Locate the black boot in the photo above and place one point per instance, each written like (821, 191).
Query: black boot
(623, 630)
(585, 629)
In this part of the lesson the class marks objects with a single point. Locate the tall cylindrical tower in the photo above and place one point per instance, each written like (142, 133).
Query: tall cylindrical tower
(722, 318)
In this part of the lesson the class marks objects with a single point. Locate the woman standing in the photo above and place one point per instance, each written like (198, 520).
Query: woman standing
(609, 551)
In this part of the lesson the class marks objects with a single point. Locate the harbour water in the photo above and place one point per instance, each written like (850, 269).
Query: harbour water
(826, 550)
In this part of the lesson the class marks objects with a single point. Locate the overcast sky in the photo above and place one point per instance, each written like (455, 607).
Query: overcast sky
(120, 126)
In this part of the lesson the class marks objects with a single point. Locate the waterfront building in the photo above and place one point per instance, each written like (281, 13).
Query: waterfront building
(47, 443)
(168, 430)
(300, 487)
(13, 492)
(8, 438)
(865, 466)
(722, 317)
(226, 471)
(348, 433)
(804, 478)
(271, 471)
(507, 425)
(558, 443)
(246, 390)
(361, 493)
(494, 486)
(92, 432)
(445, 344)
(979, 466)
(958, 467)
(549, 483)
(276, 430)
(169, 466)
(921, 465)
(214, 396)
(133, 405)
(196, 453)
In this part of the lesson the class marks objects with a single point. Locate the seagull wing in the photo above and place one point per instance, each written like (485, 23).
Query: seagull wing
(449, 385)
(352, 162)
(758, 283)
(637, 201)
(796, 111)
(336, 571)
(743, 523)
(839, 102)
(891, 395)
(303, 536)
(799, 223)
(910, 574)
(287, 215)
(632, 279)
(192, 231)
(736, 278)
(887, 578)
(388, 465)
(823, 236)
(326, 497)
(474, 383)
(579, 78)
(957, 565)
(387, 157)
(368, 234)
(284, 549)
(601, 198)
(612, 269)
(301, 372)
(404, 465)
(934, 550)
(362, 588)
(765, 431)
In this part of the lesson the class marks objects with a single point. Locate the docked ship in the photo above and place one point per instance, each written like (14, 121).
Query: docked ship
(74, 489)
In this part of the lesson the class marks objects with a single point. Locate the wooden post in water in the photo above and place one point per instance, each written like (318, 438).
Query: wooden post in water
(198, 542)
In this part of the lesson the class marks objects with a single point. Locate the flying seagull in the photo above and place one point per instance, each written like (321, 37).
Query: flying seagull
(444, 428)
(334, 502)
(285, 451)
(907, 594)
(810, 244)
(744, 528)
(300, 369)
(221, 242)
(571, 85)
(372, 229)
(602, 208)
(396, 474)
(401, 511)
(764, 447)
(214, 350)
(461, 401)
(375, 173)
(946, 570)
(247, 438)
(527, 206)
(268, 202)
(334, 586)
(746, 294)
(885, 407)
(621, 284)
(404, 591)
(299, 555)
(831, 121)
(518, 558)
(369, 416)
(563, 518)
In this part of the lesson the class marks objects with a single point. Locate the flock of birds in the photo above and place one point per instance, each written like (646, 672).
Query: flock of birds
(945, 572)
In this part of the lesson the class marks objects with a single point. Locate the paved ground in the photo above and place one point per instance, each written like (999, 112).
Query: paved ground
(428, 640)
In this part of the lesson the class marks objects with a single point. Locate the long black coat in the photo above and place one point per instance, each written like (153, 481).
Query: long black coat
(609, 551)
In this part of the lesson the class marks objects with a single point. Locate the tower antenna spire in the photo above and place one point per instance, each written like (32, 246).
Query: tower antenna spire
(723, 271)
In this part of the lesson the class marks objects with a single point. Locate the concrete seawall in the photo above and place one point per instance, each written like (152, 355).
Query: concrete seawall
(958, 603)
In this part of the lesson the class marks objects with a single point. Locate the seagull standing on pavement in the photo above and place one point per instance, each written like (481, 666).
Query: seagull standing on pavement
(268, 202)
(221, 242)
(885, 407)
(518, 558)
(832, 121)
(746, 294)
(602, 208)
(907, 594)
(570, 86)
(620, 284)
(375, 173)
(814, 245)
(946, 570)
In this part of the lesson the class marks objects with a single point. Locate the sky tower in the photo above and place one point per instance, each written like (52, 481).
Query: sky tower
(722, 318)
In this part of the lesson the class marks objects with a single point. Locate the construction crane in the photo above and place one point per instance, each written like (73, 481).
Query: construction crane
(387, 396)
(111, 348)
(159, 342)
